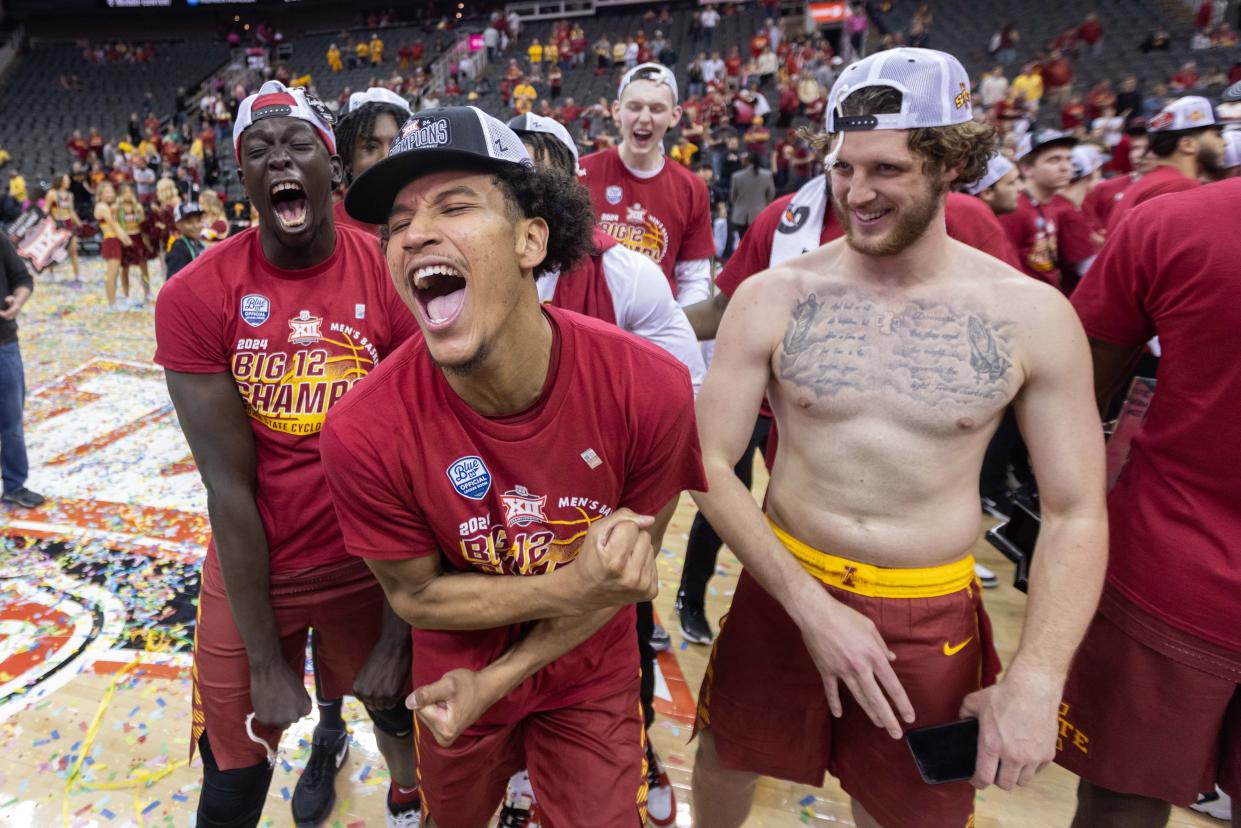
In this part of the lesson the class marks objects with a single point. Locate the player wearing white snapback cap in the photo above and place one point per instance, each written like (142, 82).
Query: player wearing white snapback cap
(1186, 143)
(364, 133)
(889, 357)
(645, 201)
(259, 336)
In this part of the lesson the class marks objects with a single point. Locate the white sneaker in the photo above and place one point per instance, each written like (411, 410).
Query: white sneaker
(986, 576)
(661, 802)
(410, 818)
(1217, 804)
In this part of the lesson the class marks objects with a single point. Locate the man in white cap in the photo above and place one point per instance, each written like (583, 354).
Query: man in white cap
(889, 357)
(260, 336)
(362, 136)
(1036, 227)
(623, 287)
(644, 200)
(1000, 188)
(502, 475)
(1186, 143)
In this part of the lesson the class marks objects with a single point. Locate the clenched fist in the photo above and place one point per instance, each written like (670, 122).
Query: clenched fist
(616, 564)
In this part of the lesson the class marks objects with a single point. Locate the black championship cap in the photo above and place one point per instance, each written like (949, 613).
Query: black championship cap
(430, 141)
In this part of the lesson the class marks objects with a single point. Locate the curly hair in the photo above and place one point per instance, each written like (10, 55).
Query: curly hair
(554, 196)
(557, 198)
(359, 125)
(548, 150)
(966, 146)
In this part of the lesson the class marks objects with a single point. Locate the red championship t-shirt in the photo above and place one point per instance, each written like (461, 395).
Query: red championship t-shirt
(1101, 201)
(1159, 181)
(510, 496)
(1175, 519)
(1032, 229)
(667, 217)
(295, 341)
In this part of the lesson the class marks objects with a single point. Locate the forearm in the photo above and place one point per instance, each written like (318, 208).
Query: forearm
(704, 317)
(394, 633)
(1070, 559)
(241, 546)
(474, 601)
(547, 641)
(733, 513)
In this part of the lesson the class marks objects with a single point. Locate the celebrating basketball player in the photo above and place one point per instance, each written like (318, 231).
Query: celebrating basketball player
(889, 357)
(259, 336)
(495, 472)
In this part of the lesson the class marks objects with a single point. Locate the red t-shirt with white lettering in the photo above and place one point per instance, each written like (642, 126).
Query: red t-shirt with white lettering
(666, 217)
(1174, 516)
(1160, 181)
(294, 341)
(514, 495)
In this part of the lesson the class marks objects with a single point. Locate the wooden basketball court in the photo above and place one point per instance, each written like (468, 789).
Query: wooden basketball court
(97, 612)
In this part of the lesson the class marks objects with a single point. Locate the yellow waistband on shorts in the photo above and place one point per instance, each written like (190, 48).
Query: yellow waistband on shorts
(879, 581)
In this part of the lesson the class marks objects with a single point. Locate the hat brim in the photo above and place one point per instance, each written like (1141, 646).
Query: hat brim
(369, 198)
(1066, 141)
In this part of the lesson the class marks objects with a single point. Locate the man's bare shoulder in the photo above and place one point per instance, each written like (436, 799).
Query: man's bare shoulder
(778, 287)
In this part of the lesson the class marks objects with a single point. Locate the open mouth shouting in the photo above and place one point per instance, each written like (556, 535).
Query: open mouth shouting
(439, 289)
(288, 201)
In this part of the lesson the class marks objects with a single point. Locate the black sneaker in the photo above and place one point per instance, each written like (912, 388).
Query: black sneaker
(516, 813)
(694, 626)
(315, 794)
(660, 640)
(23, 497)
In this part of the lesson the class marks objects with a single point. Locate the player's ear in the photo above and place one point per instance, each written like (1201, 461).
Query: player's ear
(532, 238)
(241, 176)
(616, 107)
(338, 172)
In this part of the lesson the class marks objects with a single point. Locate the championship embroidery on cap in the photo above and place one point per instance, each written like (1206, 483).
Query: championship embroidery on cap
(613, 194)
(255, 309)
(304, 329)
(963, 98)
(421, 133)
(591, 458)
(469, 476)
(1161, 121)
(793, 219)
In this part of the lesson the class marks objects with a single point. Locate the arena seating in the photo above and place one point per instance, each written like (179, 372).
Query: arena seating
(39, 117)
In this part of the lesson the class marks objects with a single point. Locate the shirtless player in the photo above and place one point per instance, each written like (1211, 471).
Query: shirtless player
(888, 358)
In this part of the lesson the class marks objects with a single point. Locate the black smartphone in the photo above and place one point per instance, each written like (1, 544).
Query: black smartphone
(945, 752)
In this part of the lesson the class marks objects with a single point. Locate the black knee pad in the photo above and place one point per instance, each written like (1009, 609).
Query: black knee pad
(231, 798)
(395, 721)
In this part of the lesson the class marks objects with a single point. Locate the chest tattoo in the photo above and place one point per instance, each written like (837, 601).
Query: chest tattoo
(927, 351)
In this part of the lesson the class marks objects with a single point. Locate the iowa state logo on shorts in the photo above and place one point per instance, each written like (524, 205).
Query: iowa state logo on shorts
(469, 476)
(255, 309)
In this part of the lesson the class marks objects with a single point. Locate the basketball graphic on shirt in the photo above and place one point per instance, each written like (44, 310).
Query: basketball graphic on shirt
(291, 391)
(640, 231)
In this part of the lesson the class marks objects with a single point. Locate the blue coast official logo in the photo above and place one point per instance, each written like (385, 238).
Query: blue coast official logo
(469, 476)
(255, 309)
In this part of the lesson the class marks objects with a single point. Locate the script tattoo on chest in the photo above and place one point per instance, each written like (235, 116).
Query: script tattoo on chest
(930, 352)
